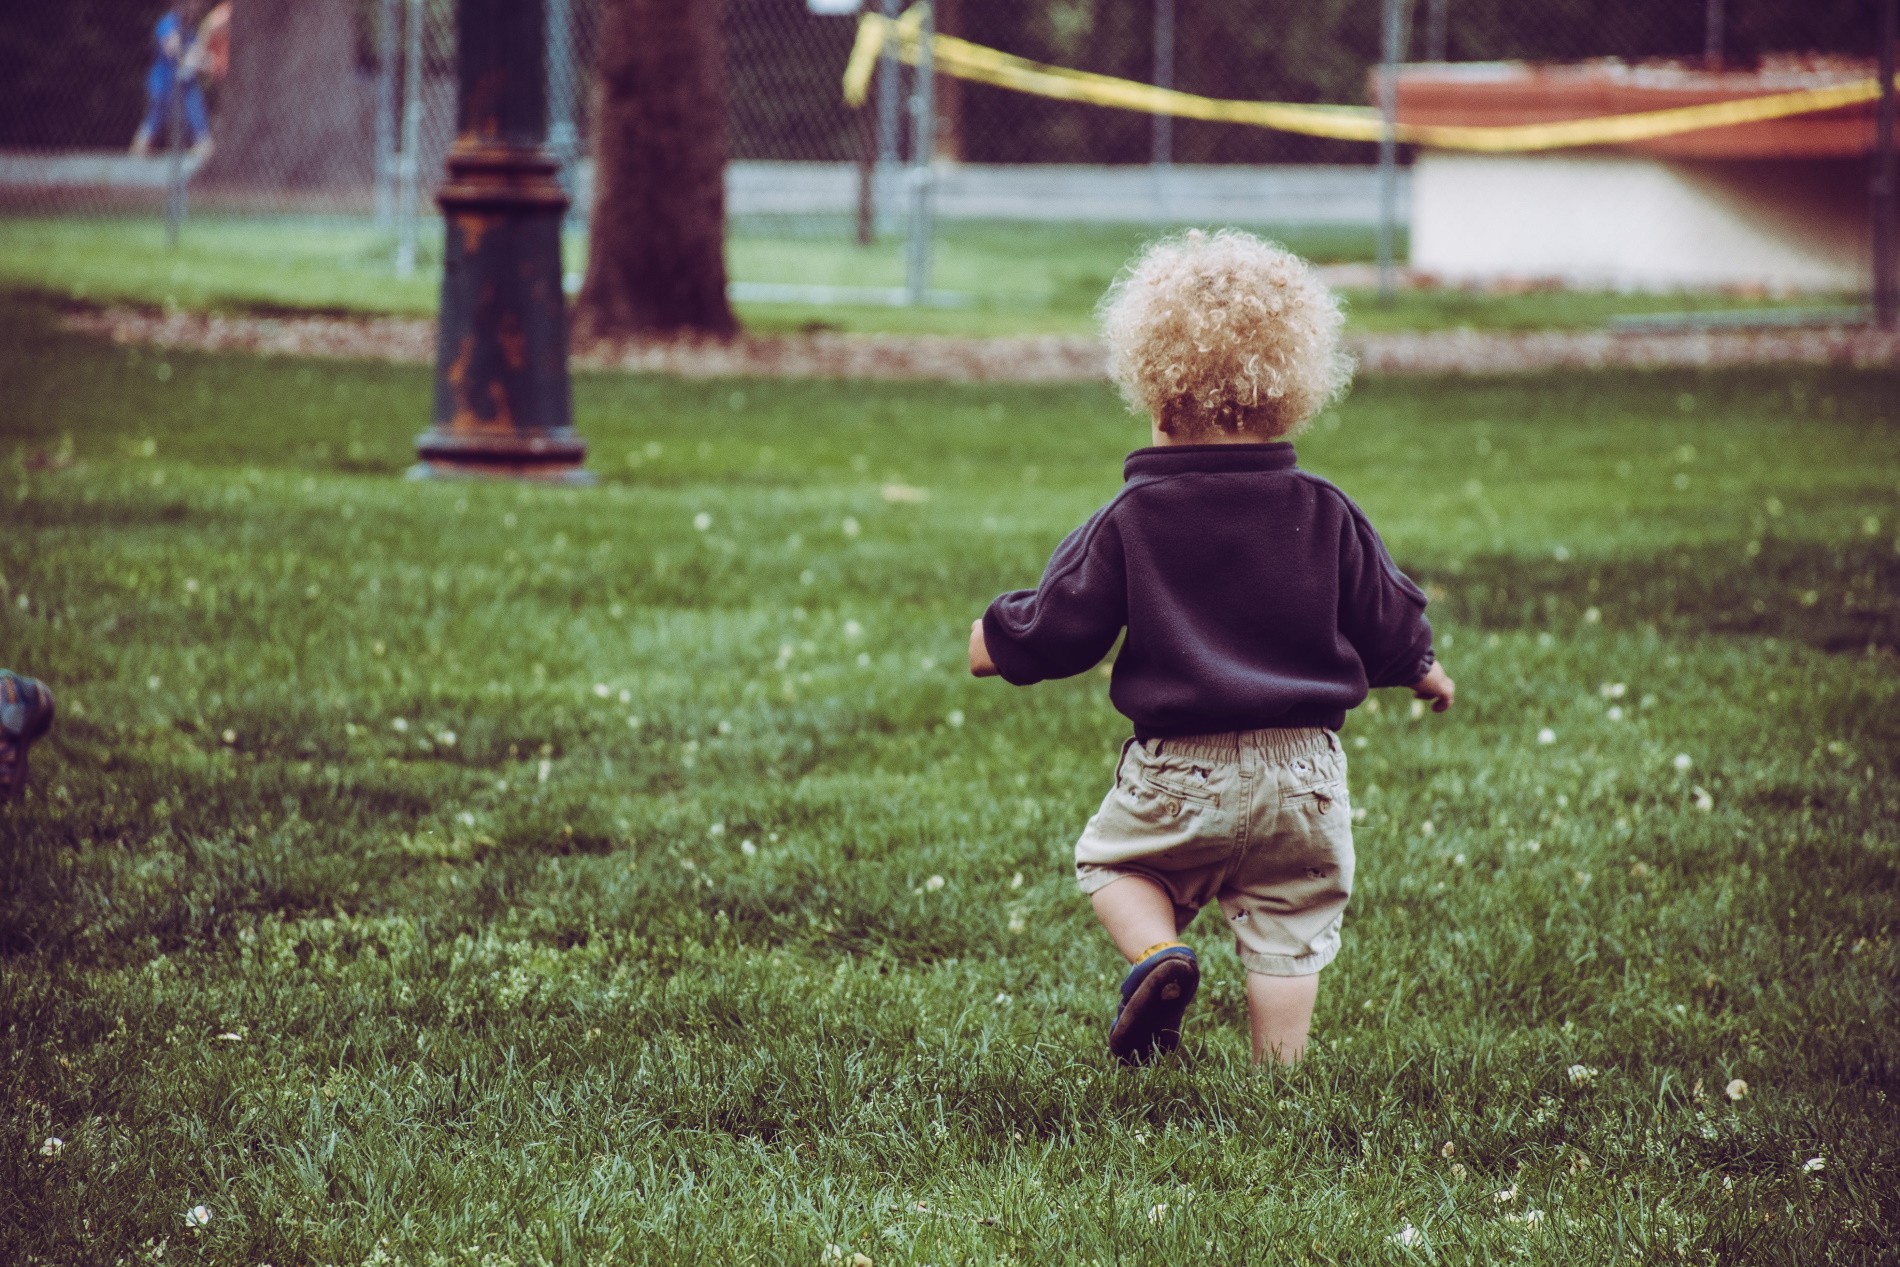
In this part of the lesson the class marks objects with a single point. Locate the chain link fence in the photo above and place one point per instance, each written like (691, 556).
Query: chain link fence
(124, 127)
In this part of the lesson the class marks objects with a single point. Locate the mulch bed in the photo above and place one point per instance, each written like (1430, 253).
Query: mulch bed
(1014, 359)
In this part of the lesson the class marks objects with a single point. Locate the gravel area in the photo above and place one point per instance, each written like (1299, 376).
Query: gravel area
(1020, 359)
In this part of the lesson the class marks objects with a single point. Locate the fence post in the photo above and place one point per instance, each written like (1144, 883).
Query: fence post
(563, 133)
(888, 71)
(175, 139)
(1162, 154)
(923, 125)
(408, 193)
(1886, 191)
(1389, 143)
(386, 58)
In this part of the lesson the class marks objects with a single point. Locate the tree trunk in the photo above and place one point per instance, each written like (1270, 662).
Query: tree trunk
(656, 260)
(294, 113)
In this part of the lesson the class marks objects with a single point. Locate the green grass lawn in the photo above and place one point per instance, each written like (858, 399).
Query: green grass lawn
(1016, 278)
(487, 874)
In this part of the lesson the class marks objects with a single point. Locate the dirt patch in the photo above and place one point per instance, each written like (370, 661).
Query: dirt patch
(1014, 359)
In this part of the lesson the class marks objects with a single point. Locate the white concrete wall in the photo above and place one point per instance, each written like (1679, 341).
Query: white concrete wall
(1632, 223)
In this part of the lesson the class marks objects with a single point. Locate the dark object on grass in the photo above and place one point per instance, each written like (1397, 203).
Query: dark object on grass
(26, 714)
(1155, 995)
(501, 387)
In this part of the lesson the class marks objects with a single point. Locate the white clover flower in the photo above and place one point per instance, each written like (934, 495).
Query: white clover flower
(852, 629)
(1682, 761)
(543, 770)
(1407, 1236)
(749, 849)
(850, 526)
(1582, 1075)
(1003, 998)
(1016, 881)
(1448, 1149)
(1592, 616)
(1813, 1164)
(446, 738)
(1158, 1212)
(399, 724)
(602, 690)
(1530, 1218)
(229, 736)
(1615, 712)
(1613, 690)
(230, 1036)
(1505, 1196)
(197, 1216)
(904, 494)
(1016, 924)
(1546, 735)
(717, 829)
(154, 682)
(626, 697)
(1703, 801)
(1736, 1089)
(702, 521)
(955, 718)
(1418, 708)
(934, 883)
(53, 1146)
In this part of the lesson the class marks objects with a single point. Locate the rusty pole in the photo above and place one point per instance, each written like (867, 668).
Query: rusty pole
(501, 386)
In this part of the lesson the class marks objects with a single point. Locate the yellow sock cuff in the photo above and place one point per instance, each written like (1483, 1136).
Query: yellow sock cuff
(1160, 946)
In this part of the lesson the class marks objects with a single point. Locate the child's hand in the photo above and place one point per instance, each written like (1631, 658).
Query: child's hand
(980, 663)
(1437, 687)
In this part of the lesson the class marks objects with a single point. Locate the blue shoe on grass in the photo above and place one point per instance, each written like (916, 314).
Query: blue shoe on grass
(26, 713)
(1155, 994)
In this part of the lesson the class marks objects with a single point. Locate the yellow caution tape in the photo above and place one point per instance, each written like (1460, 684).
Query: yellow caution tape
(979, 64)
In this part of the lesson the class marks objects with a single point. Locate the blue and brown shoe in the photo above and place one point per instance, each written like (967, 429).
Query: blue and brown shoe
(26, 713)
(1155, 994)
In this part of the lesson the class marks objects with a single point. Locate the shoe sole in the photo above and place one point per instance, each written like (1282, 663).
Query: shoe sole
(1150, 1022)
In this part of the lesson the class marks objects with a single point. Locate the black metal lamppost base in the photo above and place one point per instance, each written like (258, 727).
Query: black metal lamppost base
(502, 408)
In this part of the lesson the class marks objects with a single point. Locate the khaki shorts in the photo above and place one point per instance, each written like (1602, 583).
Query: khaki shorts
(1257, 820)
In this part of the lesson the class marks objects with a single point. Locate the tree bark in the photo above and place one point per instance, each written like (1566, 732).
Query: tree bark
(294, 113)
(656, 260)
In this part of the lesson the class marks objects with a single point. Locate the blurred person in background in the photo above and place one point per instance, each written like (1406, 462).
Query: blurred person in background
(175, 67)
(212, 47)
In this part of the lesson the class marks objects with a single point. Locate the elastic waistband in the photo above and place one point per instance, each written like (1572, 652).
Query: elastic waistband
(1275, 743)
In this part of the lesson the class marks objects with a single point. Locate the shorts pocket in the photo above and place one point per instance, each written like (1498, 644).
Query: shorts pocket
(1165, 774)
(1320, 798)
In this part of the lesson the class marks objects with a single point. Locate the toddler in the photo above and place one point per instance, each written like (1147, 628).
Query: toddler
(1259, 607)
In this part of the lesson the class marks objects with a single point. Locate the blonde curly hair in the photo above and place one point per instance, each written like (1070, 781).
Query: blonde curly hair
(1224, 333)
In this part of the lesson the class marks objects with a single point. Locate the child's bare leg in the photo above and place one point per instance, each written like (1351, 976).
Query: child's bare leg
(1279, 1011)
(1138, 914)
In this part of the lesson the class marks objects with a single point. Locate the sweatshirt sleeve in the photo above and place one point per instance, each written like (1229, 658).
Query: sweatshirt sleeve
(1381, 611)
(1068, 622)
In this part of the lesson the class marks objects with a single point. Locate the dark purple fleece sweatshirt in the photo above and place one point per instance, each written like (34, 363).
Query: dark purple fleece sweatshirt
(1254, 594)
